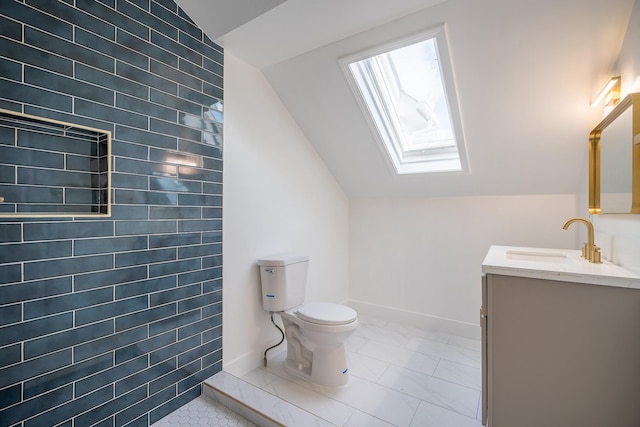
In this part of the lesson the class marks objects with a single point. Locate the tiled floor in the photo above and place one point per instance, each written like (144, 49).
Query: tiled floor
(399, 376)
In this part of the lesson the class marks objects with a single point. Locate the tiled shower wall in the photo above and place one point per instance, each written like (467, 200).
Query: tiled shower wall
(113, 321)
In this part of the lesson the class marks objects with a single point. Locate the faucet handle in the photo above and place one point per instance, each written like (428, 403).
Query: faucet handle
(597, 256)
(585, 251)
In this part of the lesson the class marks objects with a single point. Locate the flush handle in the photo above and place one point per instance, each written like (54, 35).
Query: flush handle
(270, 271)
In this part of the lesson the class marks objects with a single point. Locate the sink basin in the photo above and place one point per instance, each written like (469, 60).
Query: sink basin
(558, 264)
(536, 256)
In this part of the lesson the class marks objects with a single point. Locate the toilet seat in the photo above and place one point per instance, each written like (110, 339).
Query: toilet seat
(326, 313)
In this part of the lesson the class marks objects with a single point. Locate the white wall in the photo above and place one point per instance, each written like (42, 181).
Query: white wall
(419, 256)
(278, 197)
(424, 255)
(624, 230)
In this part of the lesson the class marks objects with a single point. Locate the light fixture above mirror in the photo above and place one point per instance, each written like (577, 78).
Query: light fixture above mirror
(610, 93)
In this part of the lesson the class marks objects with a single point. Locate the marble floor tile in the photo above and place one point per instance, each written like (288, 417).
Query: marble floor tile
(379, 334)
(450, 352)
(365, 367)
(434, 390)
(360, 419)
(290, 415)
(354, 343)
(465, 375)
(371, 320)
(311, 401)
(417, 331)
(429, 415)
(244, 392)
(262, 407)
(400, 375)
(260, 377)
(376, 400)
(465, 342)
(390, 361)
(400, 356)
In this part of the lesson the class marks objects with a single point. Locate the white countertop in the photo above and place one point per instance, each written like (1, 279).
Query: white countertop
(556, 264)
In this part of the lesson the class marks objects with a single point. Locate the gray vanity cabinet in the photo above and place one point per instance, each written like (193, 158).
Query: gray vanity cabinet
(558, 353)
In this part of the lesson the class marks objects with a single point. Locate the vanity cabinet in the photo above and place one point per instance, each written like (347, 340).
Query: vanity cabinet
(559, 353)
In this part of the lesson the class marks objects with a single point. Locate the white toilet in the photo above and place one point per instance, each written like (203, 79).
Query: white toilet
(315, 331)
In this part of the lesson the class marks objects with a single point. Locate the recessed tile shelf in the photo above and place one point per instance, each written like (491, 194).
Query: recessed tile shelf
(50, 168)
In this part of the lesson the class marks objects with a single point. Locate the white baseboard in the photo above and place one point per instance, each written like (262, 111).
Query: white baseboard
(242, 365)
(454, 327)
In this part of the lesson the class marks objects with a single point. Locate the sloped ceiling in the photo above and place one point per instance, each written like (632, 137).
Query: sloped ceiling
(525, 72)
(219, 17)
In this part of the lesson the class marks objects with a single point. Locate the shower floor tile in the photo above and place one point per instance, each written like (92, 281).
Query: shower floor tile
(203, 412)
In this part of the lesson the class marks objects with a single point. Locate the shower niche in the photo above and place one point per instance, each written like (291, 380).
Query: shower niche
(50, 168)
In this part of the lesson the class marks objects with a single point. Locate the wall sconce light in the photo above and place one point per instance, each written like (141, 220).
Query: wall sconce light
(610, 93)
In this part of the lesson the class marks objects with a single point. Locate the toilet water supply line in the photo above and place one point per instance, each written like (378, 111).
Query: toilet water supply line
(273, 346)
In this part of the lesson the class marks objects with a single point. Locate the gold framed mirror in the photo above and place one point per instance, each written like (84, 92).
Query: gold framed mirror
(614, 160)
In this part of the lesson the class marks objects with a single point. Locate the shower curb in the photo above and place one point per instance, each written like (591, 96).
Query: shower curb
(255, 404)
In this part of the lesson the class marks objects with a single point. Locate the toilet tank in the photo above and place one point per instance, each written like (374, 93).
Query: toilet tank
(284, 279)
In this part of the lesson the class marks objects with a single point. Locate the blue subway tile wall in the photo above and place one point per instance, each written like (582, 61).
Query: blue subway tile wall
(112, 321)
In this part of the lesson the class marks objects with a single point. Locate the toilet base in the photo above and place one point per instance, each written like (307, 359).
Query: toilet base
(316, 352)
(328, 367)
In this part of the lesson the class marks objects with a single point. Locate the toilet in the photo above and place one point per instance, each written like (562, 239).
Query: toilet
(315, 331)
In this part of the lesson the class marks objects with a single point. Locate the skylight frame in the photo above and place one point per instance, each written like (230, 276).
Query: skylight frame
(429, 160)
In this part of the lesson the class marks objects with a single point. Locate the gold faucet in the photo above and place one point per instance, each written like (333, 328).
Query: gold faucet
(590, 251)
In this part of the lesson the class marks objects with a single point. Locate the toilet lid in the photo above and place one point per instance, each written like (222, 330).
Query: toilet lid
(326, 313)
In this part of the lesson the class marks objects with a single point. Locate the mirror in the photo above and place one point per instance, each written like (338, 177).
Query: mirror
(614, 160)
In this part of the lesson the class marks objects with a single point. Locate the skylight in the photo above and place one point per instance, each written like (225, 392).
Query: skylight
(406, 90)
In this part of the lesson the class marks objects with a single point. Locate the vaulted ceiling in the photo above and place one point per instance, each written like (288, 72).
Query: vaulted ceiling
(525, 72)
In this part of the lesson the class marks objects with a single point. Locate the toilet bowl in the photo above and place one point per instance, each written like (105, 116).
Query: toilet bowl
(315, 331)
(315, 334)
